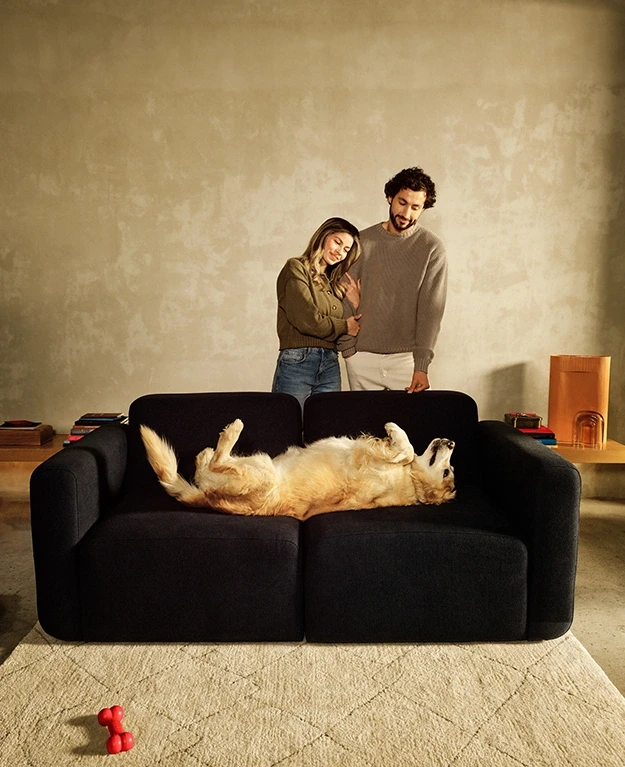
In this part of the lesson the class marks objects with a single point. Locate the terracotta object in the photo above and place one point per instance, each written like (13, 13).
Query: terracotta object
(579, 389)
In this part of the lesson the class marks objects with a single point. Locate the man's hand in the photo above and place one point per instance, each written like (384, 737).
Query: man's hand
(420, 382)
(352, 290)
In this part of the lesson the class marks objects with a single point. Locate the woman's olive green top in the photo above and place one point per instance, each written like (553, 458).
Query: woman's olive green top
(307, 314)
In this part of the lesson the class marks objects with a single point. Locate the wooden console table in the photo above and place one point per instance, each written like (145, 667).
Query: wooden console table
(17, 463)
(32, 453)
(611, 452)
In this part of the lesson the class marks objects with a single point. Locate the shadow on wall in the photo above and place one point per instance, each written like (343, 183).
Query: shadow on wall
(506, 391)
(609, 247)
(612, 339)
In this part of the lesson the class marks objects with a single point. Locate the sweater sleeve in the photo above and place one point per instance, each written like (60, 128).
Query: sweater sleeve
(346, 344)
(430, 309)
(301, 309)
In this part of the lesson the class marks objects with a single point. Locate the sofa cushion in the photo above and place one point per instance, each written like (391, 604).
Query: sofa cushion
(184, 575)
(191, 422)
(423, 417)
(456, 572)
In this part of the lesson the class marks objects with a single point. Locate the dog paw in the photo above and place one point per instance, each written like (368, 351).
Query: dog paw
(234, 428)
(204, 458)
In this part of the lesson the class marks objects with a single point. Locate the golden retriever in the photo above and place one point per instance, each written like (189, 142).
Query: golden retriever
(333, 474)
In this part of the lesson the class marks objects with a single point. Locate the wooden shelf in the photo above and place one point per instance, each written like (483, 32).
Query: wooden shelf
(32, 453)
(611, 452)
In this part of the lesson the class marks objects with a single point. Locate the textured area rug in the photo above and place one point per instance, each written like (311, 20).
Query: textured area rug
(299, 705)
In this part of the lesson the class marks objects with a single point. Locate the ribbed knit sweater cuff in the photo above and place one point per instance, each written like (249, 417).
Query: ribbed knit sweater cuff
(422, 363)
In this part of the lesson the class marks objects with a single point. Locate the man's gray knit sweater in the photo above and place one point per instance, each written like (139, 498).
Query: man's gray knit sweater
(404, 287)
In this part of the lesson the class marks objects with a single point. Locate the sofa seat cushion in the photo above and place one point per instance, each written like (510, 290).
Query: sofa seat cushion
(189, 575)
(152, 497)
(456, 572)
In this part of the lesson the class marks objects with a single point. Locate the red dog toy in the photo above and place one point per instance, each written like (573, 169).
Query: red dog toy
(118, 739)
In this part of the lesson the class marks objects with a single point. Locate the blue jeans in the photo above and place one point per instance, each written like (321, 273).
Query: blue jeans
(305, 371)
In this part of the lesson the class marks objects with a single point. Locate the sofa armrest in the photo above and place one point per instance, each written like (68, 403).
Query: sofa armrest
(541, 490)
(109, 446)
(68, 494)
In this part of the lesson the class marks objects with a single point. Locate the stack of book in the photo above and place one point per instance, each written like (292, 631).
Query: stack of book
(25, 433)
(542, 434)
(91, 421)
(531, 424)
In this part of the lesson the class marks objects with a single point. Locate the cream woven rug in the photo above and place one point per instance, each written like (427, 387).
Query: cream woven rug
(261, 705)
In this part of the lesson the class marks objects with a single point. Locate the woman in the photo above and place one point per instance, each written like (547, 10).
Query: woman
(310, 313)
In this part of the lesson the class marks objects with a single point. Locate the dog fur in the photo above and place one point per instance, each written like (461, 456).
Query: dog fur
(333, 474)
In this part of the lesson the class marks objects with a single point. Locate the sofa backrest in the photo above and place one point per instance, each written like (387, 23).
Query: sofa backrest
(423, 416)
(191, 422)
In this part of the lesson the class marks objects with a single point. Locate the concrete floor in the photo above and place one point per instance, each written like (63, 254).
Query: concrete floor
(600, 595)
(599, 621)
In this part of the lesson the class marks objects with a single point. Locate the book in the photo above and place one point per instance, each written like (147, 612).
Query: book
(100, 419)
(523, 420)
(89, 422)
(103, 416)
(37, 435)
(20, 424)
(548, 441)
(83, 429)
(542, 432)
(72, 438)
(91, 426)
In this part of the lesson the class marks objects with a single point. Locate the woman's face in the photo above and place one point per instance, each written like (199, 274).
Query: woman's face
(336, 246)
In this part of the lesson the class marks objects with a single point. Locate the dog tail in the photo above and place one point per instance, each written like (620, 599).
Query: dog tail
(165, 464)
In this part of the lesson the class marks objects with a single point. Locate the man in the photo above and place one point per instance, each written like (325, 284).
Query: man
(402, 274)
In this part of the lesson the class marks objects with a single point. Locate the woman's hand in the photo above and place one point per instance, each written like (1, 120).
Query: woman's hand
(352, 290)
(353, 326)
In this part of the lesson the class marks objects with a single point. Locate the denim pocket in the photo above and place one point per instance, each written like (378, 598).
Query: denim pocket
(294, 356)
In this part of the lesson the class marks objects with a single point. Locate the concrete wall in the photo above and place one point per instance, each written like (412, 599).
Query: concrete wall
(161, 161)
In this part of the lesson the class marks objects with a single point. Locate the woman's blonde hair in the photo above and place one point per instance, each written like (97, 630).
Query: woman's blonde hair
(311, 257)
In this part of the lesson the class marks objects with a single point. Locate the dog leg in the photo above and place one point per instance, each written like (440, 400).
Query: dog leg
(403, 451)
(202, 462)
(227, 440)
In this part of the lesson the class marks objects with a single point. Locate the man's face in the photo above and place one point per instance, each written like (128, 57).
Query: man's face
(405, 209)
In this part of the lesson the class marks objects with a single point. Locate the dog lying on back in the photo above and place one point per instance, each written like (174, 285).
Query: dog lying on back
(333, 474)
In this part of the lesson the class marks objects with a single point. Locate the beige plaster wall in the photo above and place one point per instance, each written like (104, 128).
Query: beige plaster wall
(161, 161)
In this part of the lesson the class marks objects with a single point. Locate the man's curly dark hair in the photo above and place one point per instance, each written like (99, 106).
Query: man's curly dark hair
(415, 179)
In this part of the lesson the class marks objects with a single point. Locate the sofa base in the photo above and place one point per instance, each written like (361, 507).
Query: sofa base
(191, 576)
(398, 575)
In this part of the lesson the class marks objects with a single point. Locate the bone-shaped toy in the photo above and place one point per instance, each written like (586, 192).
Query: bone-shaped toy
(118, 739)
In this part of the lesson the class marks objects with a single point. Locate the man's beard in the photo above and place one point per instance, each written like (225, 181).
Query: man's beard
(399, 226)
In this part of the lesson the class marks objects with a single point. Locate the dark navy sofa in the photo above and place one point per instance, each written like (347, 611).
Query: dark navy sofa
(117, 559)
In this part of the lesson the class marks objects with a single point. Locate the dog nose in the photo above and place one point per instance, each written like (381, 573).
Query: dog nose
(450, 443)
